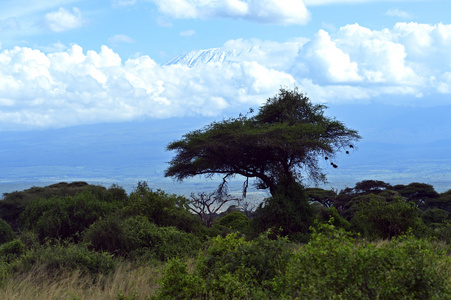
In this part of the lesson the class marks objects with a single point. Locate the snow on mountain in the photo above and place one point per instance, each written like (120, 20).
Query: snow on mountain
(277, 56)
(212, 55)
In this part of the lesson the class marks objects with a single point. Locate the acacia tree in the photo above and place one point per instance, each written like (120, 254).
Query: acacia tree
(280, 144)
(206, 205)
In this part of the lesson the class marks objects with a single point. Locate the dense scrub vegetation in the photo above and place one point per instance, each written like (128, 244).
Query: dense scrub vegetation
(372, 241)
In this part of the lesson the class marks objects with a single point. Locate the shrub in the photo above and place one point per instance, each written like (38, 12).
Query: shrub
(137, 237)
(287, 209)
(11, 250)
(63, 217)
(378, 218)
(108, 234)
(6, 232)
(162, 209)
(161, 243)
(433, 215)
(62, 257)
(233, 221)
(333, 265)
(13, 204)
(325, 214)
(231, 267)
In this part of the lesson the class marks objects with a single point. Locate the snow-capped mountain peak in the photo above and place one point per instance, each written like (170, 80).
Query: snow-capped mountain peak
(213, 55)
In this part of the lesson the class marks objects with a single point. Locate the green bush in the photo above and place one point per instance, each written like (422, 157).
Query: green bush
(138, 237)
(6, 232)
(11, 250)
(442, 231)
(64, 256)
(231, 222)
(161, 243)
(333, 265)
(108, 234)
(235, 220)
(163, 209)
(433, 215)
(231, 267)
(378, 218)
(325, 214)
(13, 204)
(288, 209)
(63, 217)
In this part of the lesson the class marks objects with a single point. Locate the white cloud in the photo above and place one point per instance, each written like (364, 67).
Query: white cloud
(120, 38)
(22, 8)
(73, 86)
(264, 11)
(62, 19)
(398, 13)
(326, 59)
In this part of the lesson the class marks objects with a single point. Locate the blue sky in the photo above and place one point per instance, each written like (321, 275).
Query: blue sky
(72, 62)
(378, 64)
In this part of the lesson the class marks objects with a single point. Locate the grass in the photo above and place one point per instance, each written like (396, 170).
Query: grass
(128, 281)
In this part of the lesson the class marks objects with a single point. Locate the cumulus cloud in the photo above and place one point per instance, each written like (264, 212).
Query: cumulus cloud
(326, 59)
(62, 19)
(264, 11)
(77, 87)
(74, 86)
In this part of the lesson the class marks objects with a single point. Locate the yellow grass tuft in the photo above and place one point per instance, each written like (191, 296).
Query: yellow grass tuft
(129, 281)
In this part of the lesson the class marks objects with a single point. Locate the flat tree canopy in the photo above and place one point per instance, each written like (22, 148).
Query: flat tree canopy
(282, 143)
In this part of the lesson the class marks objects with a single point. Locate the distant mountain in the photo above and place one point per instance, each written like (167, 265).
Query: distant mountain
(195, 58)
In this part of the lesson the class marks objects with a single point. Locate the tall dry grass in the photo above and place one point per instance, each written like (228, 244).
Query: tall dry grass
(126, 282)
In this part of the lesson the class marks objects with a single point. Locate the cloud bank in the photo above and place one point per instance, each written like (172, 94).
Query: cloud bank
(71, 87)
(264, 11)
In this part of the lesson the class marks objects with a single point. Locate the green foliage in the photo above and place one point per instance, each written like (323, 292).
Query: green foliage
(13, 204)
(6, 232)
(231, 267)
(11, 250)
(288, 210)
(420, 193)
(64, 217)
(235, 220)
(378, 218)
(441, 231)
(433, 215)
(318, 195)
(161, 243)
(335, 266)
(285, 137)
(371, 187)
(64, 256)
(137, 237)
(162, 209)
(108, 234)
(442, 202)
(325, 215)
